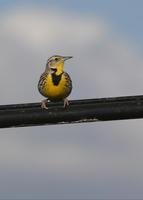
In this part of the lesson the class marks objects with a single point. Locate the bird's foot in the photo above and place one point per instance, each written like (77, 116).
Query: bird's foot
(44, 104)
(66, 102)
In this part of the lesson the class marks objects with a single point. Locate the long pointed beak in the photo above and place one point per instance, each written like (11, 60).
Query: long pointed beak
(67, 57)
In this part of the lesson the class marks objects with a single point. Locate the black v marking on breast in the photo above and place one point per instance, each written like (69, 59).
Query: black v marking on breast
(56, 78)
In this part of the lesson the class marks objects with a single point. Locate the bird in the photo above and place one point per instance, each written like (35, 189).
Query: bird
(55, 84)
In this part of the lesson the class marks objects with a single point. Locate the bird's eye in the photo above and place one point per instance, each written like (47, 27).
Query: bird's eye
(56, 59)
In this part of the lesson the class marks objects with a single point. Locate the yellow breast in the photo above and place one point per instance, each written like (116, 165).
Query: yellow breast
(56, 87)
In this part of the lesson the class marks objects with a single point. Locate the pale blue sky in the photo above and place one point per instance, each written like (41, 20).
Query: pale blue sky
(125, 15)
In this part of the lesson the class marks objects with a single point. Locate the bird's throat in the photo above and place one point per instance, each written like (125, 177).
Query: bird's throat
(59, 68)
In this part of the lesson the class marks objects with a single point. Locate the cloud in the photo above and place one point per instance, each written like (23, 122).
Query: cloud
(87, 155)
(51, 29)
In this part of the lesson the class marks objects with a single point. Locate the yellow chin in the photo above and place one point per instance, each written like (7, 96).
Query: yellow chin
(59, 67)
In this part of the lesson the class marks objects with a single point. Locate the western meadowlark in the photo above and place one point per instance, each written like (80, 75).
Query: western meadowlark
(54, 83)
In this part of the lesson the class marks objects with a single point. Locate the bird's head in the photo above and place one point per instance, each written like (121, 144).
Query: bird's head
(55, 64)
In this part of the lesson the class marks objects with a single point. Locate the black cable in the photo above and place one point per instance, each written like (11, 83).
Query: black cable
(87, 110)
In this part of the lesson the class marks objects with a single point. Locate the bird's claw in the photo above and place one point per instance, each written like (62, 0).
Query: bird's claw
(66, 102)
(44, 104)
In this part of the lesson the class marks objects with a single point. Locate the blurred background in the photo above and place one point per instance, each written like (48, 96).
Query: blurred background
(82, 161)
